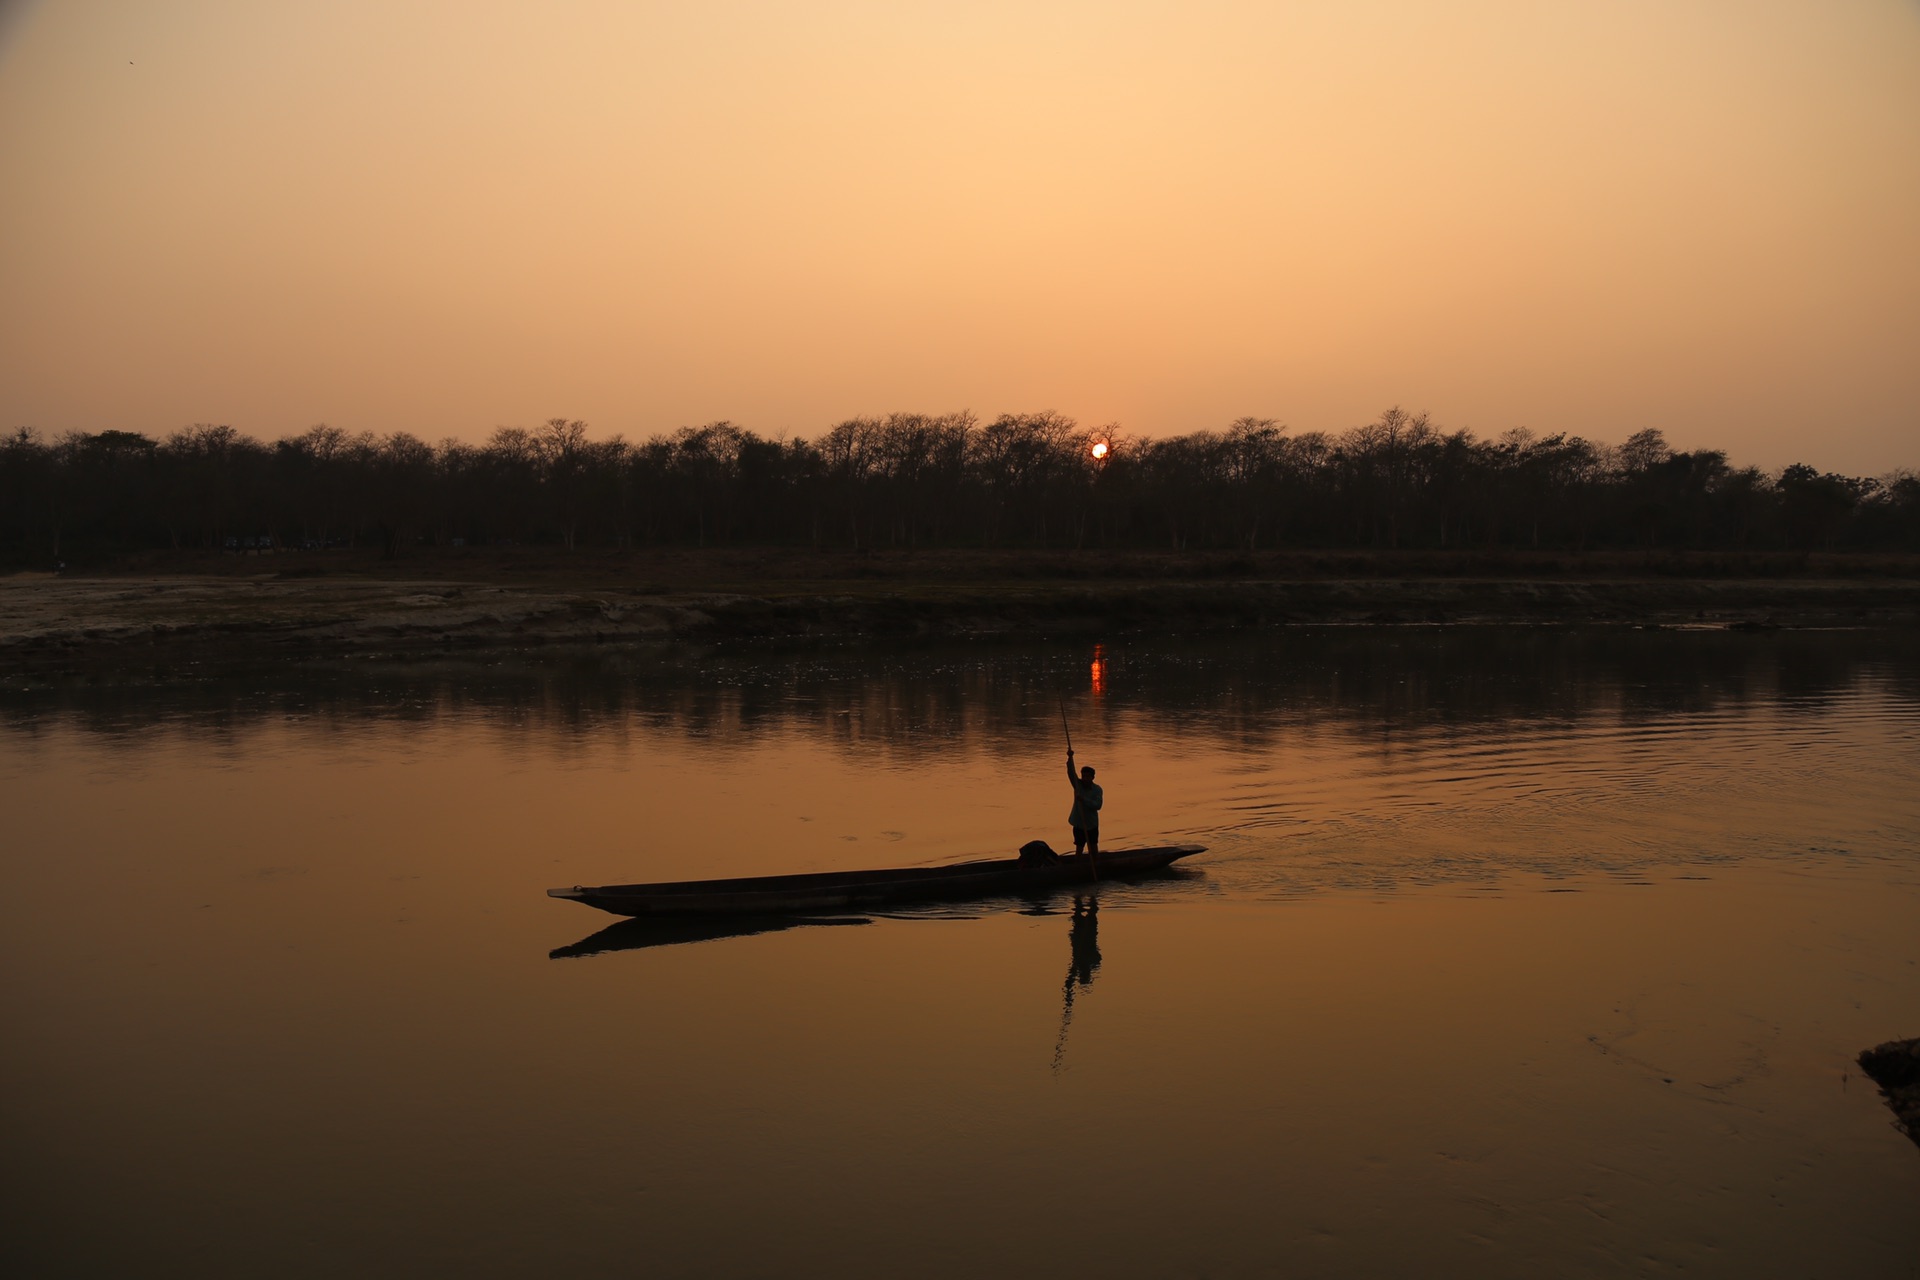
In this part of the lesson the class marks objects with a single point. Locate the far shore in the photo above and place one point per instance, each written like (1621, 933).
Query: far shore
(328, 604)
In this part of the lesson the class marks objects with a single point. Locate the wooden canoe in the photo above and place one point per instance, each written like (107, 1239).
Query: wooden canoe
(857, 890)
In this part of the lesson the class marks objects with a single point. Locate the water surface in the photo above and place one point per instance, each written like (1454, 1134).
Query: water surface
(1513, 953)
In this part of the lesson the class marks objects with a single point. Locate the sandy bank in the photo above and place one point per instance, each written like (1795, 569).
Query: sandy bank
(67, 618)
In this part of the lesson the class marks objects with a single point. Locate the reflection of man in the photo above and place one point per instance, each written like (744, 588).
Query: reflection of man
(1085, 818)
(1083, 937)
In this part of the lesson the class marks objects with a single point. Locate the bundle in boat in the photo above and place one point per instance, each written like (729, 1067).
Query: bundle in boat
(857, 890)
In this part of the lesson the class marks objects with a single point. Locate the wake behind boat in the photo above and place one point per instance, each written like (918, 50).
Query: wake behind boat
(855, 890)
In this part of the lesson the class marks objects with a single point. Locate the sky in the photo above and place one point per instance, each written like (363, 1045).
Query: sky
(1701, 216)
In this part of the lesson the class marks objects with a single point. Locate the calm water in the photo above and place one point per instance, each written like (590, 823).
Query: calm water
(1514, 954)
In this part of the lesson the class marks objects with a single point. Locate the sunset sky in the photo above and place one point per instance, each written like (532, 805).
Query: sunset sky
(1696, 215)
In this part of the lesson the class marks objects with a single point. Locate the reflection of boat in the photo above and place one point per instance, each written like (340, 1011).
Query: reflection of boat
(631, 935)
(843, 890)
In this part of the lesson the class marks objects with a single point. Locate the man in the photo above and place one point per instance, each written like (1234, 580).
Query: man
(1085, 817)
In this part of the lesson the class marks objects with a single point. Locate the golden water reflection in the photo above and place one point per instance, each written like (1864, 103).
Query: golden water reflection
(1511, 955)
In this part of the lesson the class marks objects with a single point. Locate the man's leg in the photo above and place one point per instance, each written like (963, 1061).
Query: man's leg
(1079, 840)
(1093, 839)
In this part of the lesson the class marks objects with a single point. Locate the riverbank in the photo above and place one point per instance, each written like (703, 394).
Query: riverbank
(309, 608)
(1895, 1067)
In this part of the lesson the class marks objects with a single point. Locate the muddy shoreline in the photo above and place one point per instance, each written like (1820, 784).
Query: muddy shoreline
(61, 621)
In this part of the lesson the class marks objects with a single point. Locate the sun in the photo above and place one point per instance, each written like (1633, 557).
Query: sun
(1099, 449)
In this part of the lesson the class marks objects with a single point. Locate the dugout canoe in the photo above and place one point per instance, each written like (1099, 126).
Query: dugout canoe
(857, 890)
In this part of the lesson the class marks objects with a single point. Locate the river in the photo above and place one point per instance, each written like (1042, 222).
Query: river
(1513, 953)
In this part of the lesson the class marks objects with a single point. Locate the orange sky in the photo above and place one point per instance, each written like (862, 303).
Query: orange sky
(441, 217)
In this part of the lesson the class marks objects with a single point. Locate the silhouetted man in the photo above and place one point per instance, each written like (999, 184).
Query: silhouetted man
(1085, 817)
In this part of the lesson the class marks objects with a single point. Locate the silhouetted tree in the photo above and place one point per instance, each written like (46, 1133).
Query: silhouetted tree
(911, 480)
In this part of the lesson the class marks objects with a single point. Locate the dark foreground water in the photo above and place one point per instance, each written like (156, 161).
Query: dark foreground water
(1514, 954)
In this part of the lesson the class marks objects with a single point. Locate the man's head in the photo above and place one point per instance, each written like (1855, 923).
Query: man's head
(1086, 773)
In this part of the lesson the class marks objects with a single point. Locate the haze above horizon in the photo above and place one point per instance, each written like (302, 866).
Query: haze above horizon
(442, 218)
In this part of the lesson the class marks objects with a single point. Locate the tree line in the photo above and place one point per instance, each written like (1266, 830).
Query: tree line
(917, 480)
